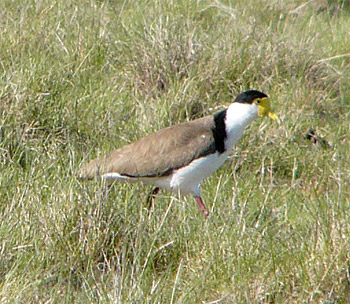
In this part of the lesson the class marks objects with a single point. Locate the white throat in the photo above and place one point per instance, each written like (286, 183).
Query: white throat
(238, 116)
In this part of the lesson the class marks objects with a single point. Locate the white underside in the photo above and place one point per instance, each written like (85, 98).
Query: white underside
(185, 180)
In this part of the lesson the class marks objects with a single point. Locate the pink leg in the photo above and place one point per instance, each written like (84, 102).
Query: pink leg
(201, 206)
(151, 198)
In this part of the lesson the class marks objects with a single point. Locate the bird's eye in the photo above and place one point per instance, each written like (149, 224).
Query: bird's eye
(258, 101)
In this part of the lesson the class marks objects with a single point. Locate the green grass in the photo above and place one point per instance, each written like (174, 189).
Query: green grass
(79, 78)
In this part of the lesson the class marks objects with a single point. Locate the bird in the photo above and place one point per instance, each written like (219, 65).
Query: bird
(179, 157)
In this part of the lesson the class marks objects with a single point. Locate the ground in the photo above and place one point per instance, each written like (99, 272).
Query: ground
(80, 78)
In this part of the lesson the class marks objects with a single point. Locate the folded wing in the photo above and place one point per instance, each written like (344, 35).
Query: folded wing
(157, 154)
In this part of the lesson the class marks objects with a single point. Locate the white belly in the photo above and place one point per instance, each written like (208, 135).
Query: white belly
(185, 180)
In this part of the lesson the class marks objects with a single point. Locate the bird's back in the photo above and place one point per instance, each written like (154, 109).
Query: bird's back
(157, 154)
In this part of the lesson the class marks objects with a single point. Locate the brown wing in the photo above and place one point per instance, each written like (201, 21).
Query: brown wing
(159, 153)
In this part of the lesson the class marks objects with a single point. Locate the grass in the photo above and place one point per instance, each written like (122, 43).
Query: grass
(78, 79)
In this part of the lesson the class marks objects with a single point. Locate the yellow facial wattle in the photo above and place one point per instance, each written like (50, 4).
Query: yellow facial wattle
(264, 108)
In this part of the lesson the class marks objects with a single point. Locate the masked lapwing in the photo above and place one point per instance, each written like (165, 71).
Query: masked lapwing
(179, 157)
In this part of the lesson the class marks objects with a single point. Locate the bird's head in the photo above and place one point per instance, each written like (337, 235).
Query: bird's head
(259, 99)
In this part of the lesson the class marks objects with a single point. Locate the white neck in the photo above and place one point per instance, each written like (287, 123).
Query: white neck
(238, 116)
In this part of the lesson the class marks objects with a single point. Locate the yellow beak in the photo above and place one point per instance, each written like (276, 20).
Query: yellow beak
(264, 109)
